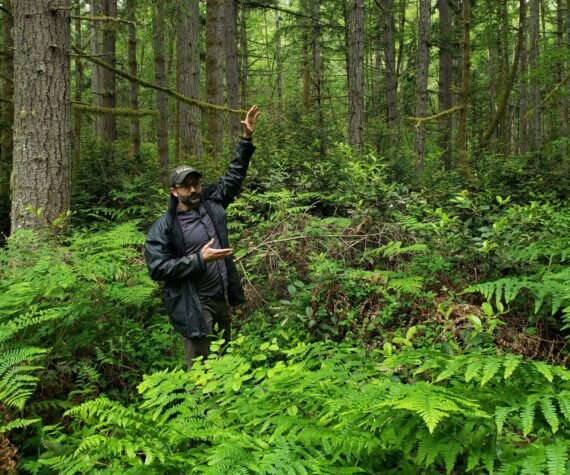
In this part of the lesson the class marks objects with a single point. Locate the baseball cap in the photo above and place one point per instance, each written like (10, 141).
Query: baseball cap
(179, 173)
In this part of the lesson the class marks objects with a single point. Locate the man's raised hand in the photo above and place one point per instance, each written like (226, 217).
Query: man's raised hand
(209, 254)
(250, 121)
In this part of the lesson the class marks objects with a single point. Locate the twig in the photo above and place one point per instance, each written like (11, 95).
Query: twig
(268, 242)
(250, 284)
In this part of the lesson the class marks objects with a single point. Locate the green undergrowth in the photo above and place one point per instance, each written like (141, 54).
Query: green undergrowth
(326, 408)
(383, 332)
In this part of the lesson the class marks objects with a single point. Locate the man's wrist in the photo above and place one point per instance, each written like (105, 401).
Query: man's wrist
(247, 139)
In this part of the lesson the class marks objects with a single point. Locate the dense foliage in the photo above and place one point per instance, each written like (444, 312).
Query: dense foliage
(415, 334)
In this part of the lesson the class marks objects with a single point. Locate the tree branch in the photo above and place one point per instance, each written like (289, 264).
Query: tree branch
(439, 115)
(151, 85)
(548, 96)
(102, 18)
(113, 110)
(509, 85)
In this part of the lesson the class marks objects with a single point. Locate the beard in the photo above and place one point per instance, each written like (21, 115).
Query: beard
(192, 201)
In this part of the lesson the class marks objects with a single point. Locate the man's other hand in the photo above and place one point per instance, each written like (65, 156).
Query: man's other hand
(250, 120)
(210, 254)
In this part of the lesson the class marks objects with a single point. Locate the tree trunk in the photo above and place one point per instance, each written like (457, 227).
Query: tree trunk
(536, 118)
(279, 61)
(503, 73)
(160, 79)
(7, 116)
(42, 127)
(355, 14)
(188, 77)
(318, 75)
(424, 24)
(508, 82)
(134, 87)
(466, 72)
(232, 89)
(523, 101)
(389, 47)
(6, 143)
(103, 83)
(244, 56)
(445, 80)
(78, 81)
(214, 74)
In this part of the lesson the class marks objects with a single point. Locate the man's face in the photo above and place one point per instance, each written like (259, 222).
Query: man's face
(189, 192)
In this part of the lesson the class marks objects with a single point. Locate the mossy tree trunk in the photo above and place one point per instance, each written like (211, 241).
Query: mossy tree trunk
(42, 126)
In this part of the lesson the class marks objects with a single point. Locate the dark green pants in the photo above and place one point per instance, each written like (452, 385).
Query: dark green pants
(218, 320)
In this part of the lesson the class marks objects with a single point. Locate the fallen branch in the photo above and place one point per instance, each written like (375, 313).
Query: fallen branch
(151, 85)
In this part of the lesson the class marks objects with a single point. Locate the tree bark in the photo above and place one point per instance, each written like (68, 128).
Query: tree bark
(103, 82)
(77, 113)
(536, 118)
(214, 74)
(502, 125)
(279, 61)
(42, 127)
(6, 131)
(232, 88)
(244, 56)
(464, 165)
(389, 46)
(523, 101)
(445, 80)
(160, 78)
(134, 87)
(424, 26)
(188, 77)
(355, 14)
(6, 143)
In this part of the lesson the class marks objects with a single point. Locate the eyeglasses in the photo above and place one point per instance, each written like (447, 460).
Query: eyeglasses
(188, 186)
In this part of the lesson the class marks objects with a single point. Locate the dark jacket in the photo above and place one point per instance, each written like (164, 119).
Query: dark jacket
(165, 252)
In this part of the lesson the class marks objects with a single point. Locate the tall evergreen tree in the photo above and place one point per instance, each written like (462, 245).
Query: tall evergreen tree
(355, 25)
(42, 127)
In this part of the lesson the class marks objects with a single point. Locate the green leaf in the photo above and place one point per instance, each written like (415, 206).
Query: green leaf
(549, 412)
(556, 458)
(543, 369)
(511, 362)
(527, 417)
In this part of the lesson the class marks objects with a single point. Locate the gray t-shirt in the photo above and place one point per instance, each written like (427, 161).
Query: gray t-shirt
(198, 229)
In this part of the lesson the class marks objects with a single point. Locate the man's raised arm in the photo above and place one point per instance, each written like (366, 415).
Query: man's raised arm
(229, 185)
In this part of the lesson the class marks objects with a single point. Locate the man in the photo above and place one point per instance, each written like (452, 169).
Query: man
(188, 249)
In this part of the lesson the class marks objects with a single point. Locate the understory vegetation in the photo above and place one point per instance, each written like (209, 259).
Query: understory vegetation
(386, 331)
